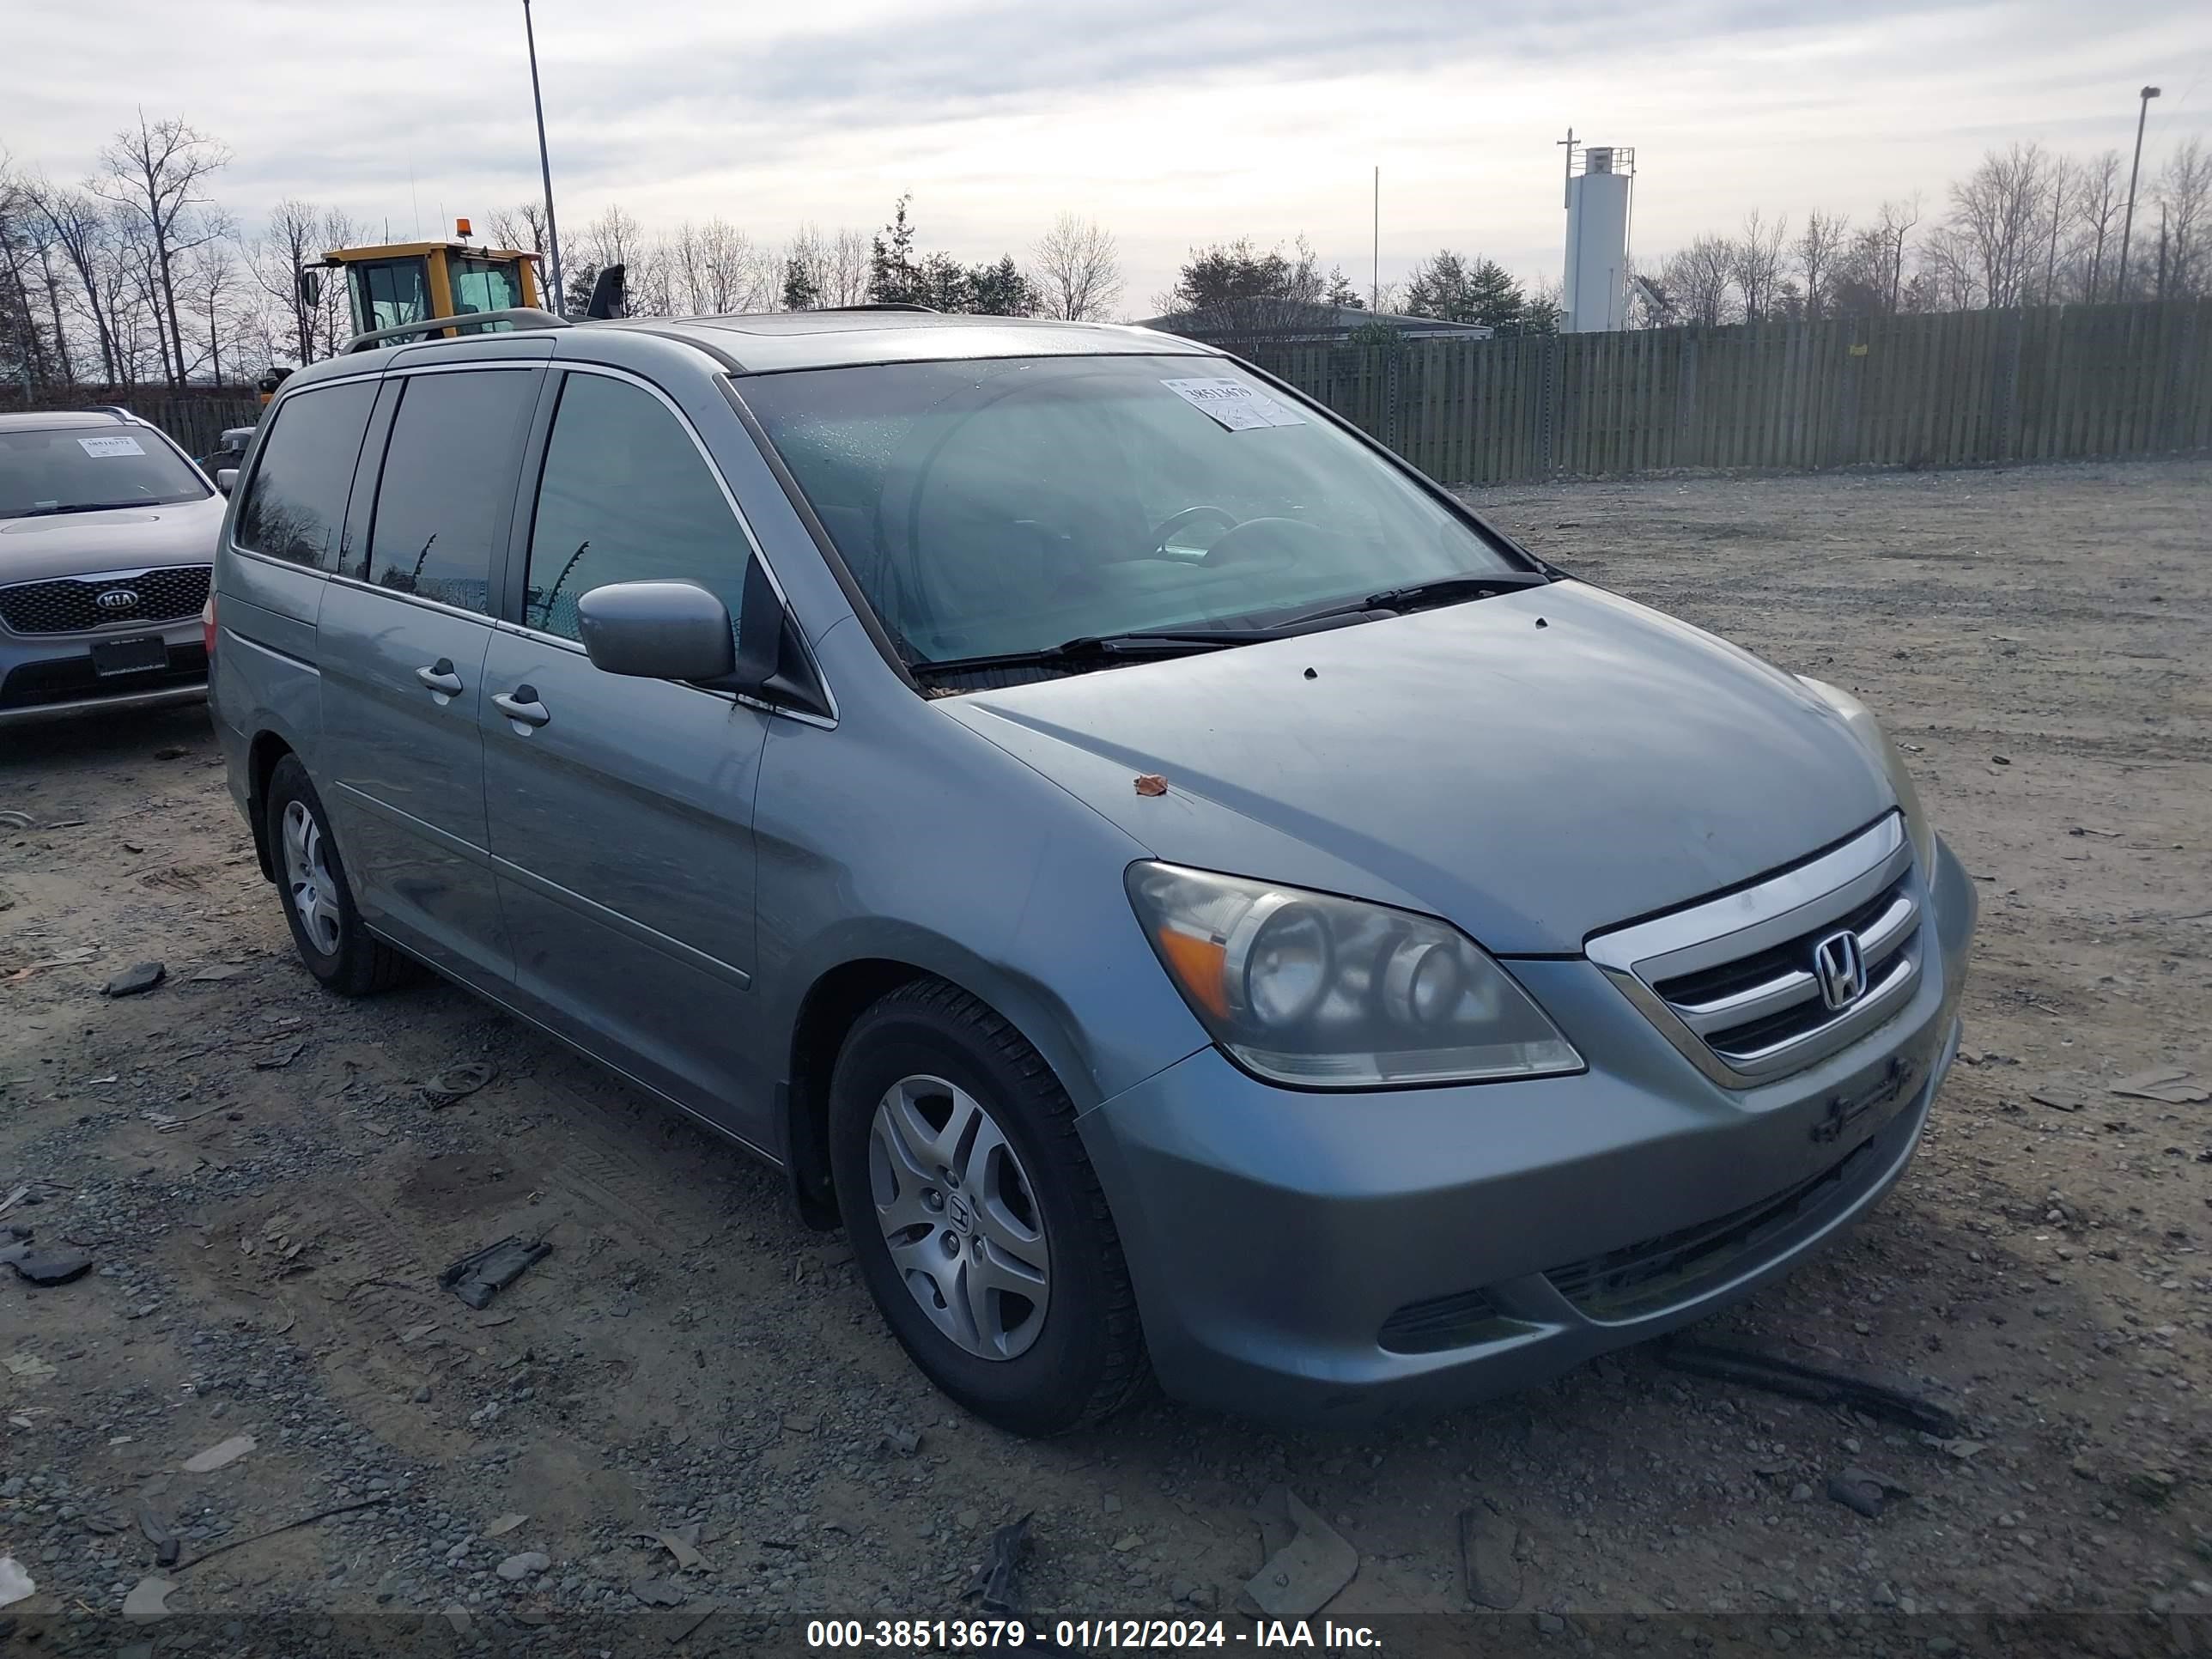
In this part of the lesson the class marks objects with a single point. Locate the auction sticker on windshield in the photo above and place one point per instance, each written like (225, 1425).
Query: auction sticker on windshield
(1235, 404)
(109, 445)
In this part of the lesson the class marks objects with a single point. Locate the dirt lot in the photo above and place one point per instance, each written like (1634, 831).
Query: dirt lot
(270, 1197)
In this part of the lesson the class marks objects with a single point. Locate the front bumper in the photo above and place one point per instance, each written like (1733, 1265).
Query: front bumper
(1328, 1256)
(53, 677)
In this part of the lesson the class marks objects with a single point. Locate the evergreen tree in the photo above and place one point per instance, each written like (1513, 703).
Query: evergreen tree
(893, 278)
(800, 292)
(1001, 290)
(582, 277)
(1447, 287)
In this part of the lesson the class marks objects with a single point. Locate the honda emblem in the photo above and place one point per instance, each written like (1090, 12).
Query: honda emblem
(1841, 970)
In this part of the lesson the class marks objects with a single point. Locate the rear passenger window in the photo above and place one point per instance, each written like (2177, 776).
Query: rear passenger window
(448, 478)
(297, 502)
(625, 497)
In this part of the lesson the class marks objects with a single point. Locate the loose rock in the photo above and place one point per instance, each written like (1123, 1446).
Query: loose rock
(135, 981)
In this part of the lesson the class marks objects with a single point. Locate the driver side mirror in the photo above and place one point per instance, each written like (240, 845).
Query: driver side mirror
(311, 287)
(226, 479)
(656, 631)
(678, 630)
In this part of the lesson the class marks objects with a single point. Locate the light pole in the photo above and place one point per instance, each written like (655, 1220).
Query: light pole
(2128, 225)
(545, 165)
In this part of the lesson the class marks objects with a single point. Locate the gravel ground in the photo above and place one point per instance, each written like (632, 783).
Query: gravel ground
(269, 1196)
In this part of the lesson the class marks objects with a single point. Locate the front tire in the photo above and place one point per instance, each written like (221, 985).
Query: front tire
(975, 1217)
(311, 879)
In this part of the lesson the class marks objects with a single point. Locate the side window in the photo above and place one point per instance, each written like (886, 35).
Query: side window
(448, 477)
(295, 505)
(625, 496)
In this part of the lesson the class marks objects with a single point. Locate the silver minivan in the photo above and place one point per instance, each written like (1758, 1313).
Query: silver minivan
(1188, 897)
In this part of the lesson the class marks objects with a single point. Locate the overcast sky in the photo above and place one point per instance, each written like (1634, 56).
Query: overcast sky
(1173, 122)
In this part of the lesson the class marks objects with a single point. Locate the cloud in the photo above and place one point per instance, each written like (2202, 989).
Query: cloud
(1176, 122)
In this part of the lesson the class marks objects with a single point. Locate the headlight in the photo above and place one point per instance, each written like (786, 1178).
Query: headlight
(1333, 993)
(1868, 730)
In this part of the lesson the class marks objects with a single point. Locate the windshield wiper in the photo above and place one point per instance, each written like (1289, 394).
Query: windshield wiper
(74, 506)
(1443, 590)
(1098, 649)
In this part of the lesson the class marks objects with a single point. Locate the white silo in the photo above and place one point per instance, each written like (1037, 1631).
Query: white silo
(1595, 294)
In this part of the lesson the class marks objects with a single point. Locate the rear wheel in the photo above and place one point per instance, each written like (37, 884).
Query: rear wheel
(974, 1215)
(319, 907)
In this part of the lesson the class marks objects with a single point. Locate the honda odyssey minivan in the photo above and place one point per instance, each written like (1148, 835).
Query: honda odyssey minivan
(1187, 896)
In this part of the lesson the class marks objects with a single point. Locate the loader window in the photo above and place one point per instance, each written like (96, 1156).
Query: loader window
(389, 291)
(485, 285)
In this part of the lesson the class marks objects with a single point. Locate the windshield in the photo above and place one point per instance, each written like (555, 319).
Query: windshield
(77, 469)
(990, 508)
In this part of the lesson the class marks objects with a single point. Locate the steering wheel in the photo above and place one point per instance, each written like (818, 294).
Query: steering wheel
(1291, 538)
(1165, 530)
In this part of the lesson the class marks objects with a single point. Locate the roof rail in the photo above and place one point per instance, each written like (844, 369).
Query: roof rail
(523, 317)
(882, 305)
(116, 410)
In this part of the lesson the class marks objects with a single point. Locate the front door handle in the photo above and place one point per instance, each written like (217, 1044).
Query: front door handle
(522, 707)
(440, 677)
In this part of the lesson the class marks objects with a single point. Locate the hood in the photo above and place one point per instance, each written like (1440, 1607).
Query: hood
(115, 538)
(1535, 767)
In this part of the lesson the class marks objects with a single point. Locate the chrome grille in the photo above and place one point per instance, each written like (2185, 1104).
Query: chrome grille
(1735, 984)
(74, 605)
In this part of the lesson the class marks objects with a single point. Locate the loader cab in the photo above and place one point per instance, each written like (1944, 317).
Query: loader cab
(418, 282)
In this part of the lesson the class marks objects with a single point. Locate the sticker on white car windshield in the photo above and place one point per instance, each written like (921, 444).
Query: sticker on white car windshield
(109, 445)
(1235, 404)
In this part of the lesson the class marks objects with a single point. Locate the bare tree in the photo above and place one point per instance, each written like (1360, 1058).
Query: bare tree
(613, 239)
(80, 230)
(2064, 179)
(1950, 260)
(2184, 194)
(845, 268)
(1996, 208)
(2098, 200)
(293, 241)
(1756, 263)
(521, 227)
(334, 321)
(826, 270)
(158, 173)
(1889, 241)
(31, 328)
(208, 277)
(23, 344)
(1817, 247)
(729, 273)
(1077, 269)
(1697, 280)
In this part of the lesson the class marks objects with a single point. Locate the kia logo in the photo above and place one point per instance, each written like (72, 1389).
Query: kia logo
(116, 599)
(1841, 970)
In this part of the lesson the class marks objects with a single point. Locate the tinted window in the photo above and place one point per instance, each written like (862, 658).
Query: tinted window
(81, 469)
(448, 478)
(295, 505)
(625, 497)
(1009, 505)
